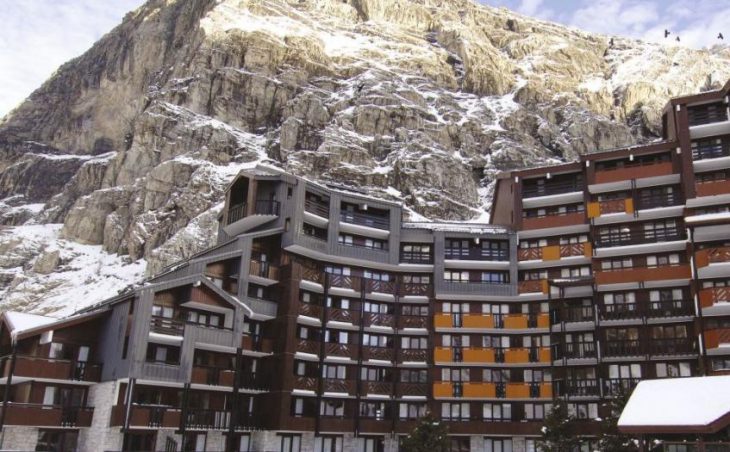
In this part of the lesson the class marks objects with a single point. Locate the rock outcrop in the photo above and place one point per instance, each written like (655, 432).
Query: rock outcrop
(130, 146)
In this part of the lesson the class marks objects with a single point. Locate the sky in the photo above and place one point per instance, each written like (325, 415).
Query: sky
(37, 36)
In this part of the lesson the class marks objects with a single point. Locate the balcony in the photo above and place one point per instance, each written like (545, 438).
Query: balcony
(552, 188)
(575, 350)
(711, 151)
(413, 355)
(713, 296)
(256, 343)
(416, 257)
(553, 221)
(642, 274)
(672, 346)
(264, 270)
(212, 376)
(654, 201)
(412, 389)
(635, 170)
(412, 321)
(717, 337)
(378, 353)
(712, 188)
(572, 314)
(338, 385)
(622, 347)
(521, 321)
(588, 387)
(476, 254)
(379, 387)
(200, 419)
(670, 308)
(416, 289)
(459, 320)
(343, 316)
(714, 255)
(309, 347)
(240, 218)
(365, 219)
(33, 414)
(317, 208)
(533, 286)
(555, 252)
(379, 320)
(311, 310)
(52, 369)
(707, 114)
(596, 209)
(146, 416)
(341, 350)
(306, 383)
(168, 326)
(528, 390)
(619, 386)
(637, 237)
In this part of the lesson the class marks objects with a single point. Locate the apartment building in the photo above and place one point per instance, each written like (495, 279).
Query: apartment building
(324, 322)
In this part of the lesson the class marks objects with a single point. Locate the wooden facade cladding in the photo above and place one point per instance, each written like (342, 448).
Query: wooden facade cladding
(716, 338)
(533, 286)
(48, 416)
(553, 221)
(633, 172)
(489, 321)
(642, 274)
(713, 295)
(555, 252)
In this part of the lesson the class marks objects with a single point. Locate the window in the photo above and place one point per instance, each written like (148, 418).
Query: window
(413, 376)
(164, 354)
(624, 371)
(495, 277)
(536, 410)
(575, 272)
(720, 364)
(675, 369)
(57, 351)
(368, 444)
(376, 340)
(454, 374)
(497, 445)
(290, 443)
(583, 410)
(194, 442)
(334, 372)
(455, 411)
(417, 343)
(411, 410)
(617, 264)
(662, 260)
(328, 444)
(373, 410)
(497, 411)
(336, 336)
(456, 276)
(205, 318)
(332, 407)
(166, 312)
(417, 279)
(375, 374)
(414, 310)
(496, 375)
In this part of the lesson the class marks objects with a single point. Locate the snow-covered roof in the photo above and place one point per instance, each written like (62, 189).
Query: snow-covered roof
(680, 404)
(469, 228)
(20, 321)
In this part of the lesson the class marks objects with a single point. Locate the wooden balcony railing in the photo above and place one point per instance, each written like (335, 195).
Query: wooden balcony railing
(337, 349)
(378, 319)
(596, 209)
(412, 389)
(554, 252)
(533, 286)
(714, 255)
(379, 387)
(263, 270)
(641, 274)
(305, 383)
(312, 274)
(712, 187)
(378, 353)
(153, 416)
(48, 368)
(164, 325)
(633, 170)
(339, 385)
(343, 315)
(213, 376)
(715, 338)
(311, 347)
(554, 221)
(47, 415)
(375, 285)
(257, 343)
(311, 310)
(714, 295)
(412, 321)
(413, 355)
(416, 289)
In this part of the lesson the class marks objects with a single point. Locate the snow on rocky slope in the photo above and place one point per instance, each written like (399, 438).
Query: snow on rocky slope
(125, 152)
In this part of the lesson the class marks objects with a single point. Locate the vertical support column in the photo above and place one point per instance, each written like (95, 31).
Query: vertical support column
(6, 396)
(231, 436)
(322, 352)
(184, 411)
(695, 288)
(128, 412)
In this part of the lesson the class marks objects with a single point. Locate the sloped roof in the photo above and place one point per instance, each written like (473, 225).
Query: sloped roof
(20, 321)
(678, 405)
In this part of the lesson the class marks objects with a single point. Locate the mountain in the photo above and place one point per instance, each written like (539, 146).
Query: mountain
(116, 166)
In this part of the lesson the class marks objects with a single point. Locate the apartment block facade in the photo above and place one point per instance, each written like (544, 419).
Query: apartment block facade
(324, 322)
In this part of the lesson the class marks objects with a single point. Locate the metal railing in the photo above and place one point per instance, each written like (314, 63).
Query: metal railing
(637, 237)
(672, 346)
(574, 350)
(583, 387)
(416, 257)
(707, 114)
(622, 347)
(553, 188)
(364, 219)
(651, 201)
(235, 213)
(711, 151)
(478, 254)
(317, 208)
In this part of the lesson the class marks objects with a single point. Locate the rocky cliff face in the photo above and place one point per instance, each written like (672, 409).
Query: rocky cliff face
(124, 153)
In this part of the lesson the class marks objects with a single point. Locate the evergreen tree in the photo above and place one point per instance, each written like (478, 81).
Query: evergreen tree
(558, 432)
(611, 439)
(430, 435)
